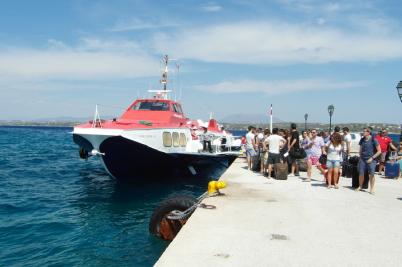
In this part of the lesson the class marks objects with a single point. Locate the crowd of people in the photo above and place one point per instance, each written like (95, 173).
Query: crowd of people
(321, 149)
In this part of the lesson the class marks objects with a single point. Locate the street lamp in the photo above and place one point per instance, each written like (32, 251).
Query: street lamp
(399, 88)
(305, 121)
(331, 109)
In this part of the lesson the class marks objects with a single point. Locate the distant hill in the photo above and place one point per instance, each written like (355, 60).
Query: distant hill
(249, 118)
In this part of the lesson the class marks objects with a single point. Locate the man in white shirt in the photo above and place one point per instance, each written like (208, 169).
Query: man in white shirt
(275, 142)
(347, 140)
(250, 146)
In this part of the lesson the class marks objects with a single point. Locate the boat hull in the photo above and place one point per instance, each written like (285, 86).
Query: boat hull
(128, 160)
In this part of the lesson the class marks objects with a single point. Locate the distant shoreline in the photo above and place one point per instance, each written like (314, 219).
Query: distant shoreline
(354, 127)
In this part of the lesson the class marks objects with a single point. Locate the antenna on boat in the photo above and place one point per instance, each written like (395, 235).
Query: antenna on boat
(165, 72)
(178, 79)
(163, 94)
(96, 121)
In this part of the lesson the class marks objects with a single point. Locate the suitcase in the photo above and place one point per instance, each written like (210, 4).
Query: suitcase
(302, 165)
(347, 169)
(332, 182)
(392, 169)
(281, 171)
(355, 178)
(257, 163)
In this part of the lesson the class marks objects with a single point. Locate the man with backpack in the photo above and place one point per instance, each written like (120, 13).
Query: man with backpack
(369, 151)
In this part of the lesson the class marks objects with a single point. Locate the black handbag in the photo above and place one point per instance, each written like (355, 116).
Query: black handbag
(298, 153)
(323, 159)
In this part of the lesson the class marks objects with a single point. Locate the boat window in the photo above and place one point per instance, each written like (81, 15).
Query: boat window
(183, 139)
(167, 139)
(177, 108)
(151, 105)
(175, 139)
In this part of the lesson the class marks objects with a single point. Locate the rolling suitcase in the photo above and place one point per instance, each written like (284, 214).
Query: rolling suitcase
(302, 165)
(346, 169)
(355, 178)
(281, 171)
(392, 169)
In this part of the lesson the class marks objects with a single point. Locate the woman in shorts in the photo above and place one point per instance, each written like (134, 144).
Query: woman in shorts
(314, 151)
(334, 157)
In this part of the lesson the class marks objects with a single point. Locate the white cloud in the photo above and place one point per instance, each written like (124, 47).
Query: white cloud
(279, 43)
(135, 24)
(279, 87)
(91, 59)
(319, 6)
(211, 8)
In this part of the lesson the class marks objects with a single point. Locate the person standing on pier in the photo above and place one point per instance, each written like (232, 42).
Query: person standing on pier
(274, 142)
(369, 151)
(334, 157)
(294, 143)
(347, 141)
(250, 146)
(314, 149)
(385, 142)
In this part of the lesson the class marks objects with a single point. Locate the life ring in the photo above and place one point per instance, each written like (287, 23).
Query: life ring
(163, 227)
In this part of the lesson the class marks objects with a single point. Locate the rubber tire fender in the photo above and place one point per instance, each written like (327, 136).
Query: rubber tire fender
(180, 203)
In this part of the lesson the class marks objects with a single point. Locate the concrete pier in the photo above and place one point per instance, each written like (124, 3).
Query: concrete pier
(266, 222)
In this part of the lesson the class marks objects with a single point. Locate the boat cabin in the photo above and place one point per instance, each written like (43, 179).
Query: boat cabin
(155, 110)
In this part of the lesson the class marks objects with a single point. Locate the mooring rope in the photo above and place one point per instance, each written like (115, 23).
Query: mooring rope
(183, 215)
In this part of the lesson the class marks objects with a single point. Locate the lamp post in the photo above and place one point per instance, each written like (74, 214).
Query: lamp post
(305, 121)
(331, 109)
(399, 89)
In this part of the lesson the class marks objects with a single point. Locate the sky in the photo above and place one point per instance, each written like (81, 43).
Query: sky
(61, 58)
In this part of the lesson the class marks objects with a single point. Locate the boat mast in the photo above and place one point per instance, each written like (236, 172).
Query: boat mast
(165, 72)
(163, 94)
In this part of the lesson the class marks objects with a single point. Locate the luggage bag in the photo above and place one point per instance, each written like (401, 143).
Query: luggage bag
(281, 171)
(392, 169)
(355, 178)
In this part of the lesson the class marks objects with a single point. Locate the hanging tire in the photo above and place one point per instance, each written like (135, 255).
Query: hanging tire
(83, 153)
(160, 225)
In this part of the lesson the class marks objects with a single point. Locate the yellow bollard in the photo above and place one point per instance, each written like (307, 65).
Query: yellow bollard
(214, 186)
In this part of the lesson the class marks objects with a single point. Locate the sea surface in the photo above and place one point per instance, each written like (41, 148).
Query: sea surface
(59, 210)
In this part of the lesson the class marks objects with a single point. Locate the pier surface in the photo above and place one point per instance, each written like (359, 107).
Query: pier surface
(266, 222)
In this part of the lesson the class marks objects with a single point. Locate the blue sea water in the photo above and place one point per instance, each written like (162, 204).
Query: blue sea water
(59, 210)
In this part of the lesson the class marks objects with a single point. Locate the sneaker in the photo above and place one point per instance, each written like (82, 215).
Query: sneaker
(297, 174)
(357, 189)
(291, 175)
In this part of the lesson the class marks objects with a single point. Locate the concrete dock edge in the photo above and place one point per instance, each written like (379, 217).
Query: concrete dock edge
(266, 222)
